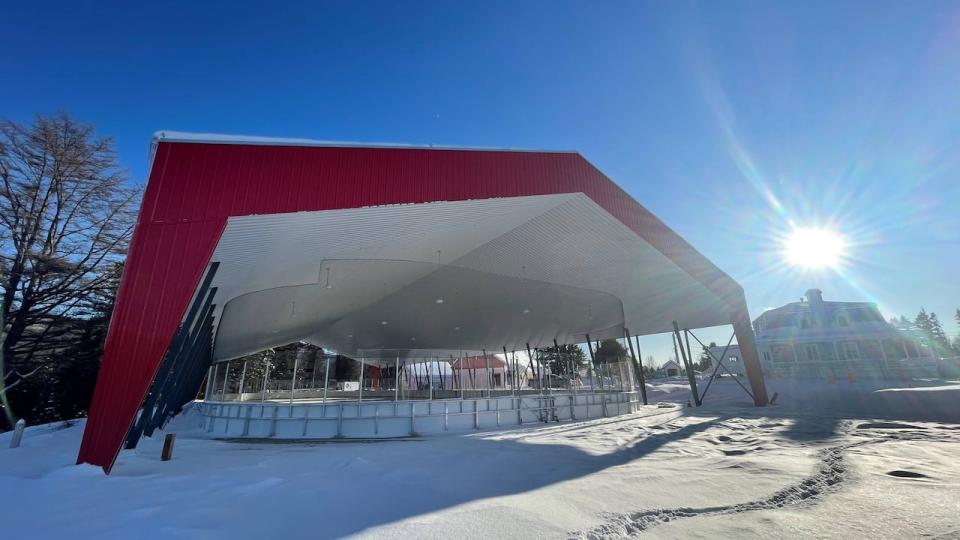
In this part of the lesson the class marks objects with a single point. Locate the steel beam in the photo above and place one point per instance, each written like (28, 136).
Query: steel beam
(690, 377)
(637, 365)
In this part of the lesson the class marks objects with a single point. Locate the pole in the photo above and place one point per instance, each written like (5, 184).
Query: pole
(443, 384)
(326, 378)
(637, 365)
(486, 360)
(266, 376)
(690, 377)
(676, 353)
(508, 373)
(293, 379)
(593, 370)
(396, 384)
(536, 370)
(211, 381)
(243, 375)
(226, 374)
(360, 397)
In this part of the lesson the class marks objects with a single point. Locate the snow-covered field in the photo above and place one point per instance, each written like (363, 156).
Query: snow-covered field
(844, 461)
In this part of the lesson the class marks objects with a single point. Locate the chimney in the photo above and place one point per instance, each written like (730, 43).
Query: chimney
(815, 299)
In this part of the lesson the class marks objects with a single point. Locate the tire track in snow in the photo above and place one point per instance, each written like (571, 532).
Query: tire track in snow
(830, 473)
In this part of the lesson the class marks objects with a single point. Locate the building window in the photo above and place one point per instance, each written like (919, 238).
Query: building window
(766, 356)
(850, 351)
(813, 354)
(804, 323)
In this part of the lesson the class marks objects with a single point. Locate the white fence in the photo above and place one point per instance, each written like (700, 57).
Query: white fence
(385, 419)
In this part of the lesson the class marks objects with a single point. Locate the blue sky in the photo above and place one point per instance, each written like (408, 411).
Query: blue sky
(732, 121)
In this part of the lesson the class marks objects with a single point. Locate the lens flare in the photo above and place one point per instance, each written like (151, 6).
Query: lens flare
(814, 248)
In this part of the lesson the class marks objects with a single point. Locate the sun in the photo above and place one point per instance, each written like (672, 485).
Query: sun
(814, 248)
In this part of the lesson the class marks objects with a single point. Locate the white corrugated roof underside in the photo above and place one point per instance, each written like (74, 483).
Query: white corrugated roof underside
(469, 275)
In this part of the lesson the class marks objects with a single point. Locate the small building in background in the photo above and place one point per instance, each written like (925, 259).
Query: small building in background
(671, 369)
(732, 360)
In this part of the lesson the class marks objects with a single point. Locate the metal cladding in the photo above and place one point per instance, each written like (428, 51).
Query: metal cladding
(195, 186)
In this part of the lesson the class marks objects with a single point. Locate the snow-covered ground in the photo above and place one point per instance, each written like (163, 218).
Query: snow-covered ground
(818, 463)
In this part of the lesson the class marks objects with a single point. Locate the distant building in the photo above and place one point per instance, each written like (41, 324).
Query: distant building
(812, 336)
(672, 369)
(731, 360)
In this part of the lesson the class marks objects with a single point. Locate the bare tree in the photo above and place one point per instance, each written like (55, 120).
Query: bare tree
(66, 216)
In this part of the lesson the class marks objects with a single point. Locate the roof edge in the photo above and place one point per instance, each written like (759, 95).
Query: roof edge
(220, 138)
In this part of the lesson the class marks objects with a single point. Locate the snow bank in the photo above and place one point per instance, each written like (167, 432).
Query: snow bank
(723, 470)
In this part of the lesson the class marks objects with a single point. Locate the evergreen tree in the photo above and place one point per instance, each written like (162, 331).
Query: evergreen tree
(922, 322)
(610, 351)
(937, 334)
(705, 360)
(956, 340)
(558, 359)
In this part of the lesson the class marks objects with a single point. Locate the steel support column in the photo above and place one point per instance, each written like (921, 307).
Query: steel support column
(748, 351)
(689, 367)
(637, 365)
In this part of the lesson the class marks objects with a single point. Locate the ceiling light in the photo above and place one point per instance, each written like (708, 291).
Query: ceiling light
(383, 323)
(439, 300)
(525, 311)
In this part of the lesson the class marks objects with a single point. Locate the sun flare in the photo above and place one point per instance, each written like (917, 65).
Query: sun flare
(814, 248)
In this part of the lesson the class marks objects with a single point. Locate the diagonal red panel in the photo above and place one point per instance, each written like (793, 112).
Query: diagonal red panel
(195, 186)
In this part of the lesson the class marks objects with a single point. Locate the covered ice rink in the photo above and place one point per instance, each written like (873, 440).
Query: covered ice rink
(432, 289)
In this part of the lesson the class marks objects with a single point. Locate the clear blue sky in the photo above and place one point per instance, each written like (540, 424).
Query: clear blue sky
(731, 121)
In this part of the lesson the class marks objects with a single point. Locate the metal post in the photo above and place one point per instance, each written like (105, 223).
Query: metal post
(293, 379)
(396, 384)
(506, 362)
(638, 365)
(360, 398)
(600, 368)
(686, 337)
(536, 370)
(429, 367)
(326, 379)
(593, 370)
(620, 369)
(486, 360)
(690, 377)
(211, 381)
(266, 377)
(676, 353)
(226, 374)
(243, 375)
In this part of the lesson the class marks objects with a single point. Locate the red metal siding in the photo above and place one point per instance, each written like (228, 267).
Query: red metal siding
(194, 187)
